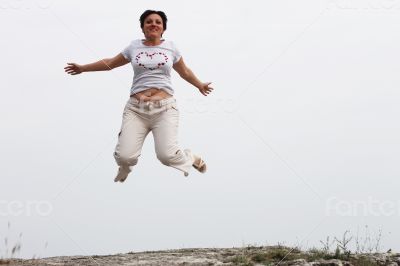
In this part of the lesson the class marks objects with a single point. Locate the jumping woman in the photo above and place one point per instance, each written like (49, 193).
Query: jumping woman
(151, 105)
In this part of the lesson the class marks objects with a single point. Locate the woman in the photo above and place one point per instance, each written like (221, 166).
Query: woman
(151, 106)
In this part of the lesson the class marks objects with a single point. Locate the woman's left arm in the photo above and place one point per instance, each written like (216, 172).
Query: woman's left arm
(188, 75)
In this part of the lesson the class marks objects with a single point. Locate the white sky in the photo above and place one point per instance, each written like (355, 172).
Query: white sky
(301, 134)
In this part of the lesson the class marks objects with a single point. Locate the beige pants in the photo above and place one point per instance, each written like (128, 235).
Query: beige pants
(162, 119)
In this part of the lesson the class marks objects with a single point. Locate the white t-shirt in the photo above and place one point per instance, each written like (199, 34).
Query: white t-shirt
(152, 65)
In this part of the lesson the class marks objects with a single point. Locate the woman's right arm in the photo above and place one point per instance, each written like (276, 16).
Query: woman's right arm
(102, 65)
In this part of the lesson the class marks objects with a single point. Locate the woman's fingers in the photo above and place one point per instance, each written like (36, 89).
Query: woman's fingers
(70, 65)
(205, 92)
(206, 89)
(72, 69)
(68, 70)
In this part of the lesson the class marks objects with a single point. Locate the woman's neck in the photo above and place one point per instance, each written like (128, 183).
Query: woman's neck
(152, 42)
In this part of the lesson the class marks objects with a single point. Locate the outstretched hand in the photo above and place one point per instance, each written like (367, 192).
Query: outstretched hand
(73, 68)
(205, 88)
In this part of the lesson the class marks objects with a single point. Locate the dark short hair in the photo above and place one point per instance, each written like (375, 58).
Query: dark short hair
(149, 12)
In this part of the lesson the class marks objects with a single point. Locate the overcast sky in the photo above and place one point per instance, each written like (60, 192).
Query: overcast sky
(301, 134)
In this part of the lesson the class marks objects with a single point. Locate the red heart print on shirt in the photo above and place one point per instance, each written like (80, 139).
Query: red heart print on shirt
(151, 61)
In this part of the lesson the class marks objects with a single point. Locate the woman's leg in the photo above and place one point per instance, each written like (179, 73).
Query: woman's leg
(131, 137)
(165, 133)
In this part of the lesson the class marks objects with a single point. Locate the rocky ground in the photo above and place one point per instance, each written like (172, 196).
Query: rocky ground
(272, 255)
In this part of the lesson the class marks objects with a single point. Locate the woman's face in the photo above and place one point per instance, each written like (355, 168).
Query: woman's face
(153, 26)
